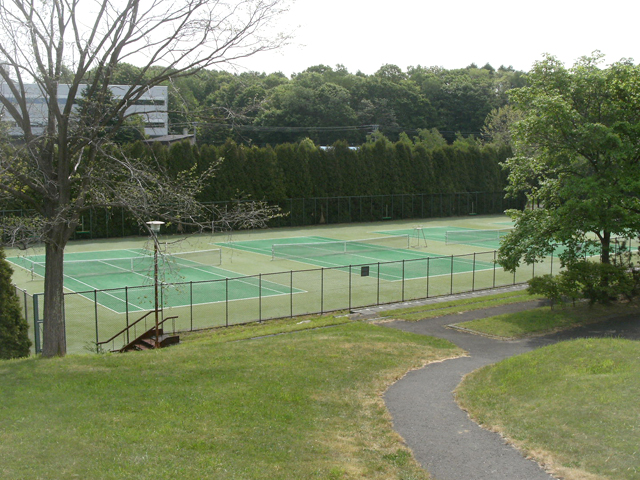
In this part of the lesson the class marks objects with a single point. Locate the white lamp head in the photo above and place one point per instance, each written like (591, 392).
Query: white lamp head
(154, 225)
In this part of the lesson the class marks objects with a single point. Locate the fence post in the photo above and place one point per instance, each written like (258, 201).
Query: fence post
(428, 258)
(226, 301)
(494, 268)
(191, 305)
(291, 294)
(36, 325)
(126, 310)
(260, 298)
(451, 290)
(378, 288)
(95, 310)
(403, 280)
(473, 274)
(350, 288)
(322, 291)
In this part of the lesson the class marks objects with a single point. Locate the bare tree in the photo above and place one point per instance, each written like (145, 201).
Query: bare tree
(70, 163)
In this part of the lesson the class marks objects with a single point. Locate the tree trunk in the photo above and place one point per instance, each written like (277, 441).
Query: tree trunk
(54, 342)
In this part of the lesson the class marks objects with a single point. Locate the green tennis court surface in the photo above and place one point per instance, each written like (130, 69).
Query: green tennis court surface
(383, 260)
(487, 239)
(188, 279)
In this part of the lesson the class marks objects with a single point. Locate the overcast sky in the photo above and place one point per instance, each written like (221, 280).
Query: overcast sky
(366, 34)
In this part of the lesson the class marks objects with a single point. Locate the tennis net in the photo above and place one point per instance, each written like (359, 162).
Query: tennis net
(143, 264)
(454, 237)
(320, 249)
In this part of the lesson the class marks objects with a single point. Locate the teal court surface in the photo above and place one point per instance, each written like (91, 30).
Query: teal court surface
(388, 257)
(123, 280)
(485, 239)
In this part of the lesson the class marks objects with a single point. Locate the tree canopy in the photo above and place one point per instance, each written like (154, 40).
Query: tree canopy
(327, 104)
(577, 158)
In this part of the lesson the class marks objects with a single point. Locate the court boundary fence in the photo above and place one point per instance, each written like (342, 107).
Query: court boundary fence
(335, 289)
(115, 222)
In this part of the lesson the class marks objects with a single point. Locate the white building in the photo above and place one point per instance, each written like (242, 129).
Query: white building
(152, 107)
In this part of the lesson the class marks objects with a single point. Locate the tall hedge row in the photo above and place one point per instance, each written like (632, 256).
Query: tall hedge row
(305, 170)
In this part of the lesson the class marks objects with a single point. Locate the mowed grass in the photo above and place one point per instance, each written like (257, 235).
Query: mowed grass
(573, 405)
(292, 406)
(544, 320)
(421, 312)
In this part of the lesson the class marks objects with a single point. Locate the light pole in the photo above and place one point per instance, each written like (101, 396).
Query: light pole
(154, 226)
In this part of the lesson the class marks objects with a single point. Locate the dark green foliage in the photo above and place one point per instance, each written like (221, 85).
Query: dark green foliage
(597, 282)
(14, 339)
(304, 170)
(329, 104)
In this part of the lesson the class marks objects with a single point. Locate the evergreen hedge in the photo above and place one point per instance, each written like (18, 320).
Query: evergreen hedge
(14, 338)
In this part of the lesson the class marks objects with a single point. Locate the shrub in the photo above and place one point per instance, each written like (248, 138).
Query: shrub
(14, 338)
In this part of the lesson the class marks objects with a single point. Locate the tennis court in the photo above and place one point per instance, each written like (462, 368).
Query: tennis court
(388, 257)
(488, 239)
(186, 278)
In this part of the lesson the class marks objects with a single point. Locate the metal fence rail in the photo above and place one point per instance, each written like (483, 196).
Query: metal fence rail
(96, 315)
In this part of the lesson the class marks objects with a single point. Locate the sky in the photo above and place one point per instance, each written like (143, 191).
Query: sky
(364, 35)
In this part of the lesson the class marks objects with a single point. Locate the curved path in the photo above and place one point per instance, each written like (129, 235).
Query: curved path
(443, 439)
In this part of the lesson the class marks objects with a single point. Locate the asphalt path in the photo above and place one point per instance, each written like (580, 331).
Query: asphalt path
(443, 439)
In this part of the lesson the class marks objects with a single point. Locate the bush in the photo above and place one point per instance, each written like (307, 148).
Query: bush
(14, 338)
(597, 282)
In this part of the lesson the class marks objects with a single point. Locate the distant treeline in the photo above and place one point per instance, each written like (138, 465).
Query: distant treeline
(328, 104)
(426, 164)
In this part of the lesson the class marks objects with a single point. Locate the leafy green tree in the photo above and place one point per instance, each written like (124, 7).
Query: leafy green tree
(499, 124)
(66, 168)
(14, 338)
(577, 158)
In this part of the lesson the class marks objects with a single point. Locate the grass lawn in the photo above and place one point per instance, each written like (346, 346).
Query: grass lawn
(420, 312)
(573, 405)
(545, 320)
(297, 406)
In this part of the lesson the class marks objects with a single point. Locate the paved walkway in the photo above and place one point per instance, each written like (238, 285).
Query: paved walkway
(442, 437)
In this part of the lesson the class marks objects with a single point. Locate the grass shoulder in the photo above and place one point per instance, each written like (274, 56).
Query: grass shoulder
(421, 312)
(544, 320)
(307, 405)
(572, 406)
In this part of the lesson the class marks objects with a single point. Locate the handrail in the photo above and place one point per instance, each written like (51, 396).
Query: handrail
(129, 326)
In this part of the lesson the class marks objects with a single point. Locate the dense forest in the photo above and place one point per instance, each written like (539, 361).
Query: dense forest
(328, 104)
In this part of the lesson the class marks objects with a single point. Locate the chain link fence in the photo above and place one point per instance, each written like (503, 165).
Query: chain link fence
(94, 316)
